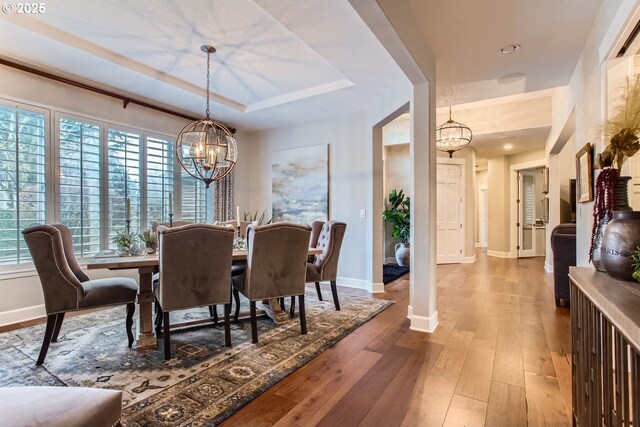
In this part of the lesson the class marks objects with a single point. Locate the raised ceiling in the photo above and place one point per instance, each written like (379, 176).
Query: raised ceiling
(279, 62)
(465, 37)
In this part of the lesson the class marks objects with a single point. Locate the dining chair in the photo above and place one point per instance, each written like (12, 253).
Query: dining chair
(276, 263)
(325, 265)
(243, 226)
(195, 261)
(176, 223)
(316, 228)
(66, 287)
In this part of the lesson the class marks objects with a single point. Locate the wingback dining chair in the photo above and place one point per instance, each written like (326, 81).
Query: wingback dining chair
(325, 265)
(176, 223)
(66, 287)
(195, 261)
(276, 263)
(243, 226)
(316, 228)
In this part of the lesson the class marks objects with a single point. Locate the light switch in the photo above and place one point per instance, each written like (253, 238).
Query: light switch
(363, 213)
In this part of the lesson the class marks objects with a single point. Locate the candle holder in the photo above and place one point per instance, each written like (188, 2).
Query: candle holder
(128, 221)
(239, 242)
(170, 220)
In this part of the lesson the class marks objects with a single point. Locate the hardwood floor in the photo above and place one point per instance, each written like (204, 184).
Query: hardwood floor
(500, 357)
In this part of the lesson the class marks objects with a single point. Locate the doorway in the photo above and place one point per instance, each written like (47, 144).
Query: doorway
(450, 208)
(531, 224)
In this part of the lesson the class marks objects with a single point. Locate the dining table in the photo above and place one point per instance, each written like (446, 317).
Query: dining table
(147, 265)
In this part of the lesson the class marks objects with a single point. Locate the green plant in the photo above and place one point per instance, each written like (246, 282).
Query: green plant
(149, 237)
(635, 261)
(125, 239)
(247, 216)
(399, 214)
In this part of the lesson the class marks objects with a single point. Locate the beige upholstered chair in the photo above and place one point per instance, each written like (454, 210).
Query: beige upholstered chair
(60, 407)
(195, 266)
(243, 226)
(316, 228)
(66, 287)
(325, 265)
(276, 263)
(176, 223)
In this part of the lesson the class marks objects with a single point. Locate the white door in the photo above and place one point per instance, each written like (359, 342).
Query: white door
(526, 216)
(449, 214)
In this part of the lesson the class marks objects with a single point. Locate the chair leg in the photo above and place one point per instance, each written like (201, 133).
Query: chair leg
(319, 291)
(303, 316)
(213, 311)
(334, 291)
(292, 311)
(167, 338)
(254, 322)
(227, 325)
(159, 319)
(236, 313)
(48, 333)
(56, 330)
(131, 309)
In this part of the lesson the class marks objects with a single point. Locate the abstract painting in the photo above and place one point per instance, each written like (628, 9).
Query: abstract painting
(300, 184)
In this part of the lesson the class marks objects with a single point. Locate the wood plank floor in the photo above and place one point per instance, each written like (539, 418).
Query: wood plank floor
(500, 357)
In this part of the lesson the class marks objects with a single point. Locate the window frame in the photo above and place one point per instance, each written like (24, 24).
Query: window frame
(49, 203)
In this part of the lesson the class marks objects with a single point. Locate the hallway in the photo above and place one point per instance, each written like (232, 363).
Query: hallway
(500, 357)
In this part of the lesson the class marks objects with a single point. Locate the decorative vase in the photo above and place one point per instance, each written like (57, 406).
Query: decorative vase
(622, 204)
(621, 238)
(403, 252)
(151, 247)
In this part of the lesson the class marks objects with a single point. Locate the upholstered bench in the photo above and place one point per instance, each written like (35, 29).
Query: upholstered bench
(60, 407)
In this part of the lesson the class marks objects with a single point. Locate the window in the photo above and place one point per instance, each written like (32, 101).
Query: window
(197, 200)
(124, 151)
(22, 179)
(160, 157)
(79, 185)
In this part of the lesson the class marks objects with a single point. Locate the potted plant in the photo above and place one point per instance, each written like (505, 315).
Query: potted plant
(150, 240)
(127, 243)
(622, 131)
(399, 215)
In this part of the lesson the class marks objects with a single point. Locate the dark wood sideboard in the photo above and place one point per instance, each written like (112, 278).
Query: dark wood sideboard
(605, 336)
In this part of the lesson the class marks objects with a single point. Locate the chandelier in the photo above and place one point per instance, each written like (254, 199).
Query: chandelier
(207, 149)
(452, 136)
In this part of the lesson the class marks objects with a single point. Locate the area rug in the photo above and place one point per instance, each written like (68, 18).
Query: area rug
(204, 383)
(392, 272)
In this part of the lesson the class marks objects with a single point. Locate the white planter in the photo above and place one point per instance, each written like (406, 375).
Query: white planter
(403, 254)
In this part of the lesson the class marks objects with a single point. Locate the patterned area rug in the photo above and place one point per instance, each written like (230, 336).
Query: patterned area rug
(204, 383)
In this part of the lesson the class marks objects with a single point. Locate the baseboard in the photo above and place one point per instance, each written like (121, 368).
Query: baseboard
(374, 288)
(548, 267)
(499, 254)
(422, 323)
(469, 259)
(22, 315)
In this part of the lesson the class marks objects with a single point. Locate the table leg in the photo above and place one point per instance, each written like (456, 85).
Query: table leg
(274, 311)
(145, 338)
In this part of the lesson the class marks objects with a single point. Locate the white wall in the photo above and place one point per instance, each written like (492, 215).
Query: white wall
(349, 177)
(585, 98)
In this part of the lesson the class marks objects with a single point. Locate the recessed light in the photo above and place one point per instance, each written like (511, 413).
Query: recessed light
(510, 78)
(509, 49)
(507, 146)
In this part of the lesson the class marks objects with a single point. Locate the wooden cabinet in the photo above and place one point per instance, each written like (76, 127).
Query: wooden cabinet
(605, 332)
